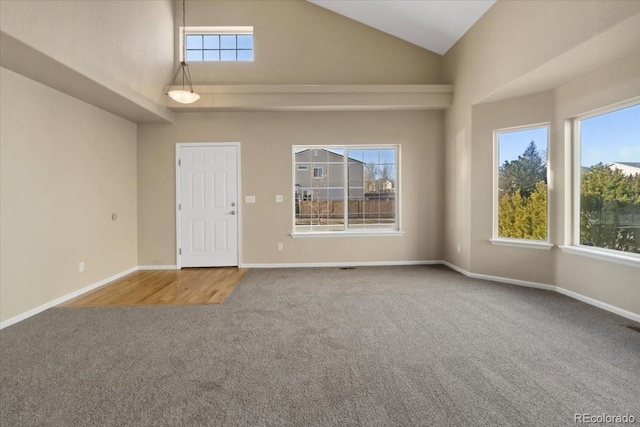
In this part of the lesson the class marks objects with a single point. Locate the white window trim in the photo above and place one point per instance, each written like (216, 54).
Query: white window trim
(347, 232)
(572, 220)
(319, 169)
(522, 243)
(503, 241)
(603, 254)
(210, 30)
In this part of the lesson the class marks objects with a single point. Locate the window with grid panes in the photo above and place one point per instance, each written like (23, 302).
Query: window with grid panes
(219, 44)
(345, 188)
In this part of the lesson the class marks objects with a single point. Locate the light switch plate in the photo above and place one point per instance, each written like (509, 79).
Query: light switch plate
(249, 199)
(279, 198)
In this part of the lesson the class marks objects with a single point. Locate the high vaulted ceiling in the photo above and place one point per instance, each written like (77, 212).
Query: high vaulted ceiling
(432, 24)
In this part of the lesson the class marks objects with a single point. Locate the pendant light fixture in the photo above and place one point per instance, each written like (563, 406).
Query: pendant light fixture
(186, 95)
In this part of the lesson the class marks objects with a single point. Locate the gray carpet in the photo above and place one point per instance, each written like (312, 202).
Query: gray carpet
(382, 346)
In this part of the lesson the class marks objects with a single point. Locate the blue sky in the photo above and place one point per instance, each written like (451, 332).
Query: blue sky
(606, 138)
(611, 137)
(512, 144)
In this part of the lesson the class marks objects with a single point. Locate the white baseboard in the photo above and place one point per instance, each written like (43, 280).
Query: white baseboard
(339, 264)
(603, 305)
(608, 307)
(64, 298)
(157, 267)
(500, 279)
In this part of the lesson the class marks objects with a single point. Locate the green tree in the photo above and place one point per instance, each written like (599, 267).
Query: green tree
(522, 204)
(610, 209)
(523, 173)
(537, 212)
(524, 217)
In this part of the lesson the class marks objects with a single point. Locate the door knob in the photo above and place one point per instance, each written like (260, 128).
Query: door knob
(233, 212)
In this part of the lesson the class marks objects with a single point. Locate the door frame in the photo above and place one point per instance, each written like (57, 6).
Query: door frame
(179, 145)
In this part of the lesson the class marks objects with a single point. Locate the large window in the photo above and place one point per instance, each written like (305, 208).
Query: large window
(521, 183)
(348, 189)
(607, 179)
(218, 44)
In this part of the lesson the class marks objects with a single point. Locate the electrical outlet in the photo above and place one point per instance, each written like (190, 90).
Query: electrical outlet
(458, 248)
(279, 198)
(81, 267)
(249, 199)
(280, 247)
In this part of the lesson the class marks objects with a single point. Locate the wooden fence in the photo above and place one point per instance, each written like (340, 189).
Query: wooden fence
(357, 208)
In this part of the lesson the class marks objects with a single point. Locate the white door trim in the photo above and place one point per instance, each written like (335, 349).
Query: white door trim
(177, 201)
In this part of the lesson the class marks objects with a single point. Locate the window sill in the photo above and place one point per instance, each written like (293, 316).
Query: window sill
(517, 243)
(347, 234)
(603, 255)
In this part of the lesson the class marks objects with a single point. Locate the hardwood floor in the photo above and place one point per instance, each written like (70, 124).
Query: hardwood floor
(189, 286)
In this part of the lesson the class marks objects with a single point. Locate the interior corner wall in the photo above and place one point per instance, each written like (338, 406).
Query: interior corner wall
(66, 166)
(266, 140)
(510, 40)
(605, 281)
(501, 261)
(615, 284)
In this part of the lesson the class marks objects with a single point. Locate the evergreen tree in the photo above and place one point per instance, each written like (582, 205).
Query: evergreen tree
(524, 217)
(610, 209)
(523, 173)
(522, 209)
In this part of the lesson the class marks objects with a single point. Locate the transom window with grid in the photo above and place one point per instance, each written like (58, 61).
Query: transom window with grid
(219, 44)
(347, 188)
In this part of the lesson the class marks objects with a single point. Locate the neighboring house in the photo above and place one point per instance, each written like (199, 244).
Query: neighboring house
(319, 175)
(627, 168)
(380, 188)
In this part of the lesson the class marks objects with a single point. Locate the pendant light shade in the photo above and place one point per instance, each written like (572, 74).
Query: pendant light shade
(182, 77)
(183, 96)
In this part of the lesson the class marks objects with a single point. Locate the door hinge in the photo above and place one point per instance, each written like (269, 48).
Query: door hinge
(180, 251)
(179, 162)
(179, 206)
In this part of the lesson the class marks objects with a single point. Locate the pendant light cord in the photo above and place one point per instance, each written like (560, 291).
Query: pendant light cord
(184, 68)
(184, 32)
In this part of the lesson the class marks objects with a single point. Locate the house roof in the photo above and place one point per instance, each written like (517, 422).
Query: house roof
(632, 164)
(328, 151)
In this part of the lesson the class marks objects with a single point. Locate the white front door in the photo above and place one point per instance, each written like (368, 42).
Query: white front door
(208, 206)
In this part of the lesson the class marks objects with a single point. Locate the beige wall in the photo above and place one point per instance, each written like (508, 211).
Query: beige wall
(511, 40)
(296, 42)
(116, 43)
(514, 39)
(615, 284)
(65, 168)
(267, 140)
(500, 260)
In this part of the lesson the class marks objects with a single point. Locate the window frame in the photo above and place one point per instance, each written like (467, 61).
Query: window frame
(346, 232)
(509, 241)
(572, 220)
(214, 30)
